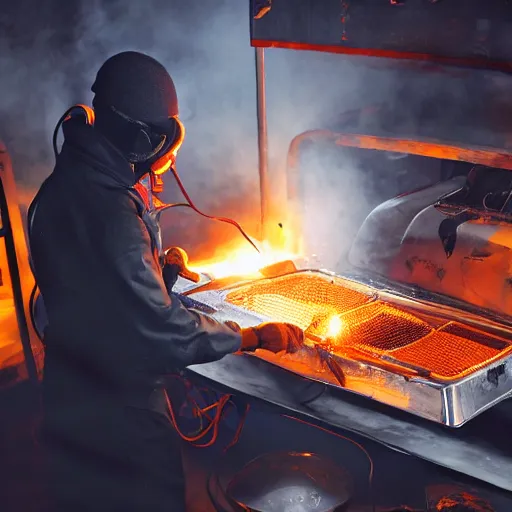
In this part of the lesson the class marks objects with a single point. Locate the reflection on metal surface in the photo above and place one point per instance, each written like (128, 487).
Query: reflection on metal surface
(397, 352)
(424, 147)
(291, 482)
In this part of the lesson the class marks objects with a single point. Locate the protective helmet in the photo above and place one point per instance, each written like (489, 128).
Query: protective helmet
(137, 107)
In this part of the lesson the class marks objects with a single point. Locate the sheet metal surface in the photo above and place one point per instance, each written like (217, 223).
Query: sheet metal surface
(481, 449)
(438, 367)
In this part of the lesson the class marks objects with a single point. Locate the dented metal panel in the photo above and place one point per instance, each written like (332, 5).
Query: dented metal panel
(456, 32)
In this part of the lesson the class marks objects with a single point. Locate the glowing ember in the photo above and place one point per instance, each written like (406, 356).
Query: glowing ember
(244, 261)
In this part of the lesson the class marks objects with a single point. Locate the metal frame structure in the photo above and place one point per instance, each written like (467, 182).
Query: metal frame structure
(17, 260)
(449, 32)
(453, 32)
(262, 138)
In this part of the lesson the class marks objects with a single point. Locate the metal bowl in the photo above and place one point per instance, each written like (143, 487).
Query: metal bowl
(291, 482)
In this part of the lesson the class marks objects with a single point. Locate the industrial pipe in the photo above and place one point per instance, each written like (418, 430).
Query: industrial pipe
(262, 140)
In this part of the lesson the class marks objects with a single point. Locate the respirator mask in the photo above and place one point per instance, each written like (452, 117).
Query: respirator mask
(150, 149)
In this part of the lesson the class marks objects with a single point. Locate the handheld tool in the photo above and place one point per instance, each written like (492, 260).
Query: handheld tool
(177, 257)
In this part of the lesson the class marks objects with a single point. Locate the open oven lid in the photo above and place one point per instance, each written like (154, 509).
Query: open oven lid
(457, 32)
(449, 238)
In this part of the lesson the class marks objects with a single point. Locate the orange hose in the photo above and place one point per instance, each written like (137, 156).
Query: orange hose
(214, 422)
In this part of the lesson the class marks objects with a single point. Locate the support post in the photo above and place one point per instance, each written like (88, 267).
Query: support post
(262, 140)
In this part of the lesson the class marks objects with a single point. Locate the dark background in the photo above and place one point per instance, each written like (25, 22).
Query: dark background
(50, 52)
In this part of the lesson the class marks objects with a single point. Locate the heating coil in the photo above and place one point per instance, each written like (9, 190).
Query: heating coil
(370, 327)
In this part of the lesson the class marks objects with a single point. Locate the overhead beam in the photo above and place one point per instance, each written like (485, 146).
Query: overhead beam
(454, 32)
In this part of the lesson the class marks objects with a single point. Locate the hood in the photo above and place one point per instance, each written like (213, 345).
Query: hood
(84, 142)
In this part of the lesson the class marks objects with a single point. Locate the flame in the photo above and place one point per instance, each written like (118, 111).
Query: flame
(243, 261)
(334, 327)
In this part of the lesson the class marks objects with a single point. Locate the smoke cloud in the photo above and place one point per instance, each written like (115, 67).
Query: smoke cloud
(49, 59)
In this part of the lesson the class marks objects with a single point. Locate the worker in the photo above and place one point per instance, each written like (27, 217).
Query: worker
(113, 329)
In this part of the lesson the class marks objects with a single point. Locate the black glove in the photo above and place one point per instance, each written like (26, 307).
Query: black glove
(273, 336)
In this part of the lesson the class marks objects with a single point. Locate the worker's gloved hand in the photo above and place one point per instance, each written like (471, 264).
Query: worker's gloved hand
(273, 336)
(176, 264)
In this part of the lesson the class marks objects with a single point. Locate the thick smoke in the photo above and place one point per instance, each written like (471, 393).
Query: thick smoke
(49, 60)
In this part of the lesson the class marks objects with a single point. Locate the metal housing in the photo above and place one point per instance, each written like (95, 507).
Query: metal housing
(384, 374)
(453, 32)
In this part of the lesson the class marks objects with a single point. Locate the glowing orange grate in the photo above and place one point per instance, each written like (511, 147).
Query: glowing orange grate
(363, 325)
(298, 298)
(380, 328)
(445, 355)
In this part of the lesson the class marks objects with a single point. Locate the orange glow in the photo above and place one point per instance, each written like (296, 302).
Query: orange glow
(477, 62)
(463, 499)
(349, 322)
(304, 299)
(243, 261)
(163, 164)
(334, 327)
(89, 112)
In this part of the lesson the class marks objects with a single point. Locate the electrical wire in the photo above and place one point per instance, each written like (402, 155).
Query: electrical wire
(211, 217)
(213, 423)
(57, 128)
(212, 427)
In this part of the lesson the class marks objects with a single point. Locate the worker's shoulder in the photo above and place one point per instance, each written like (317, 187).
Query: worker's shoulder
(83, 195)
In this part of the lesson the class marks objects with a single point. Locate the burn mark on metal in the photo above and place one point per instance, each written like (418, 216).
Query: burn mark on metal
(261, 7)
(494, 374)
(412, 262)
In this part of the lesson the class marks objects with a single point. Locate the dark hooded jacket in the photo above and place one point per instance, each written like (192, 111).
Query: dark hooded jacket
(112, 328)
